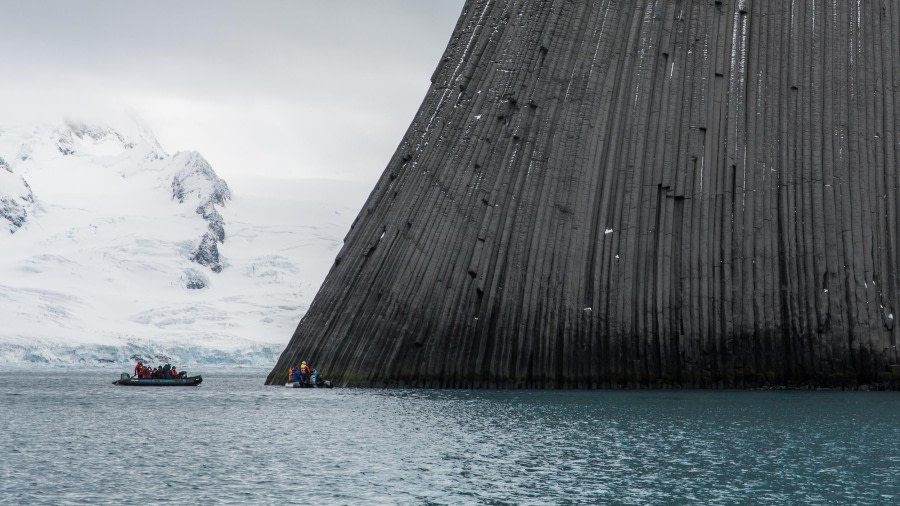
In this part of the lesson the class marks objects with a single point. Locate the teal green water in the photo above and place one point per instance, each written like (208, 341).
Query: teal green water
(76, 438)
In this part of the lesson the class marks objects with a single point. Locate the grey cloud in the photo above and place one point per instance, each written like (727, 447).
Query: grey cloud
(312, 65)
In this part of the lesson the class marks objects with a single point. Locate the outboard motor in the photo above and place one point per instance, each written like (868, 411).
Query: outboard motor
(124, 376)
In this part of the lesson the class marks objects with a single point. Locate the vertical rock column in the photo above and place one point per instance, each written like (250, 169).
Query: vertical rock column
(621, 194)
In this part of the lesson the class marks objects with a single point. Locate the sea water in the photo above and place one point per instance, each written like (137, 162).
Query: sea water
(73, 437)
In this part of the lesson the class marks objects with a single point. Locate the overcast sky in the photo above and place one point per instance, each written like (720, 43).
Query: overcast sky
(297, 88)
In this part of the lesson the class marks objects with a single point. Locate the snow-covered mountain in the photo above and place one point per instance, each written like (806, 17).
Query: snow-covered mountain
(16, 198)
(113, 248)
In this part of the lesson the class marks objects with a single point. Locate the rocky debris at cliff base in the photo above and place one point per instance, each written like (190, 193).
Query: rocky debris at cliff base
(194, 279)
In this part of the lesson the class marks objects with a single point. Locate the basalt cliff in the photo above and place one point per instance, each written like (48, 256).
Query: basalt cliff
(648, 193)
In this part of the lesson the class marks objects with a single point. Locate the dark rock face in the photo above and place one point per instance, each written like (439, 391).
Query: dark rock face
(195, 285)
(198, 181)
(215, 220)
(658, 193)
(207, 253)
(16, 198)
(13, 212)
(194, 280)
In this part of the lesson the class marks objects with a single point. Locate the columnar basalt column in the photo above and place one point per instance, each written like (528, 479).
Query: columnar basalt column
(612, 193)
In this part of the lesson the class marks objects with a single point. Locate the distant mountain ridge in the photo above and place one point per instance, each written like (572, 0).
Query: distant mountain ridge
(193, 180)
(114, 248)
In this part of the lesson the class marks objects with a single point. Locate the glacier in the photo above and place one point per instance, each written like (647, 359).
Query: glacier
(115, 249)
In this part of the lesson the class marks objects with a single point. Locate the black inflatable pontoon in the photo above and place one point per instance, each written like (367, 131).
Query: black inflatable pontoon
(300, 384)
(127, 380)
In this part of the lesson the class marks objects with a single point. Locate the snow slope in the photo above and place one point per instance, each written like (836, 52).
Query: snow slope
(120, 249)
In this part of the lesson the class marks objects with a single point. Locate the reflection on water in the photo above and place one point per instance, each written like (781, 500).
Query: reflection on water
(78, 438)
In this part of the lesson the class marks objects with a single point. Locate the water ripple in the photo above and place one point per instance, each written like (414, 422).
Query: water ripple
(77, 439)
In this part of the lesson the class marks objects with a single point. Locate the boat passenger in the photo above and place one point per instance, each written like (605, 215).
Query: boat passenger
(173, 372)
(295, 374)
(305, 372)
(138, 369)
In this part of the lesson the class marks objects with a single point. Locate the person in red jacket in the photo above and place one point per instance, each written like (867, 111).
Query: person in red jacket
(138, 369)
